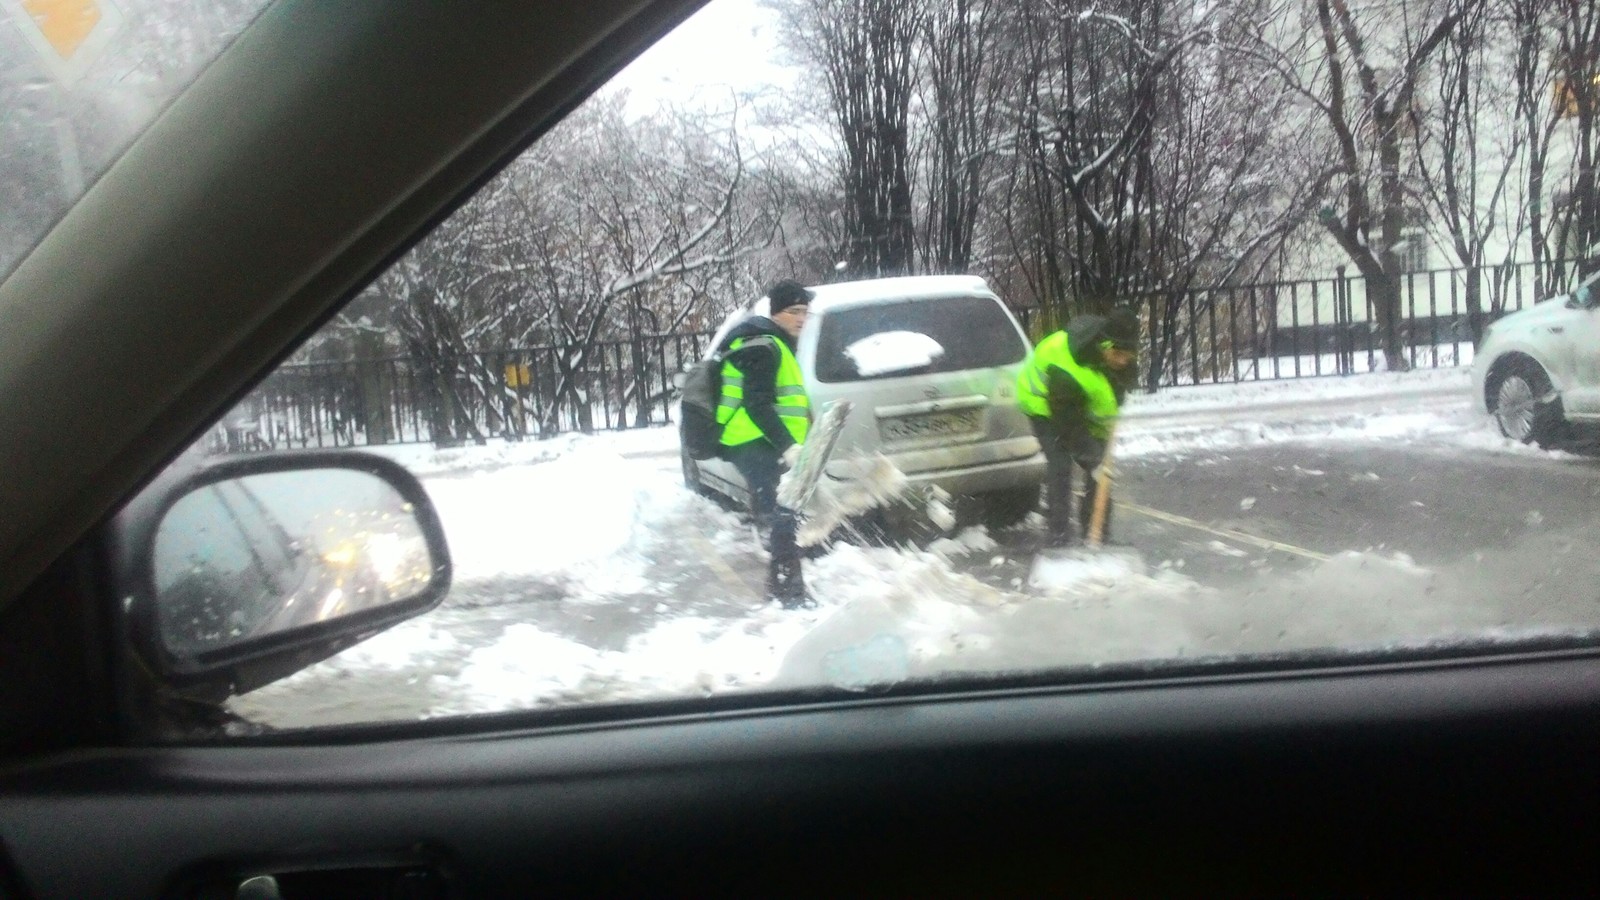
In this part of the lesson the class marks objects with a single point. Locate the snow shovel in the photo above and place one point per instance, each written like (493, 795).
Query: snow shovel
(797, 487)
(1094, 562)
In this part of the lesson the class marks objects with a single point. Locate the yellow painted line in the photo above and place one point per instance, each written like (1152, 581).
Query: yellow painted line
(1228, 533)
(724, 571)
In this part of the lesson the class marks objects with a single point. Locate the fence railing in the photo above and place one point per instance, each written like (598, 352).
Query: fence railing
(1284, 329)
(1328, 326)
(466, 398)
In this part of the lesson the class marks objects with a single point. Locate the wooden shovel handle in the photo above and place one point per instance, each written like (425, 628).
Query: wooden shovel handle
(1102, 494)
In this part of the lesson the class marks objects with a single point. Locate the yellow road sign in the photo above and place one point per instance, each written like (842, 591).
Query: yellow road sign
(67, 35)
(65, 24)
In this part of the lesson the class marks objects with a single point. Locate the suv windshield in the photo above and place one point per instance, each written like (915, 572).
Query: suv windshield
(973, 333)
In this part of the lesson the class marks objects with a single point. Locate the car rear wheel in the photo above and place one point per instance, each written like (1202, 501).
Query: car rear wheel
(1003, 509)
(1520, 409)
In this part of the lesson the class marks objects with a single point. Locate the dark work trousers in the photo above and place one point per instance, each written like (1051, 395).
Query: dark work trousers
(1063, 450)
(760, 464)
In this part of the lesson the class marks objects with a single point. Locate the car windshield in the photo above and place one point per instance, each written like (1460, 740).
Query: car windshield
(81, 80)
(1240, 398)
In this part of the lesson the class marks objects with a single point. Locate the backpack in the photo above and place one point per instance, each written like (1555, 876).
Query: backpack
(698, 427)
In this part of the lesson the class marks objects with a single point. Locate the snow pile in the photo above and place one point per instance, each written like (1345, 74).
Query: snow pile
(424, 460)
(893, 351)
(909, 614)
(1073, 570)
(972, 540)
(575, 515)
(529, 667)
(398, 649)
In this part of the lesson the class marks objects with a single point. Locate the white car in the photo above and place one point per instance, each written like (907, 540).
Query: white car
(930, 363)
(1538, 371)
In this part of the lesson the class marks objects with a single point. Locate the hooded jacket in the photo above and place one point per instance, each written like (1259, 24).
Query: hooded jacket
(1069, 401)
(759, 365)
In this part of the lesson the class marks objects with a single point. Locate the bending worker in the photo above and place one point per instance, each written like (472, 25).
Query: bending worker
(1072, 387)
(765, 415)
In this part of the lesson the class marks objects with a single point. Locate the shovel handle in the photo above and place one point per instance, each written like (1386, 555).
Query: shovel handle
(1102, 494)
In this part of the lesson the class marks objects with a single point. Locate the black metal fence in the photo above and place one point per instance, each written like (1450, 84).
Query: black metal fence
(452, 400)
(1285, 329)
(1328, 326)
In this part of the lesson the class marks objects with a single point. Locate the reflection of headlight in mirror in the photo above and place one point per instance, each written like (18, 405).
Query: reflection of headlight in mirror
(330, 603)
(342, 555)
(388, 555)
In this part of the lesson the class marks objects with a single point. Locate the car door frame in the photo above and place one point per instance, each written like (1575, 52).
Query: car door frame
(1131, 779)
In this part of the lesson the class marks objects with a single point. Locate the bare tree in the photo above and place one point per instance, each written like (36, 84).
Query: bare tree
(865, 51)
(1091, 91)
(1576, 220)
(607, 230)
(1147, 164)
(1368, 72)
(1465, 159)
(963, 85)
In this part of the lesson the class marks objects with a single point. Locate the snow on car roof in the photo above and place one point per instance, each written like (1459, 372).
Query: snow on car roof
(904, 288)
(850, 293)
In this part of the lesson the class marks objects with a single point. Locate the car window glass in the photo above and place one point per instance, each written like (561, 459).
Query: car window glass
(1350, 428)
(80, 81)
(968, 332)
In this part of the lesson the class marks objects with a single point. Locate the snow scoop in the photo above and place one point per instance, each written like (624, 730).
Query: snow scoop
(799, 484)
(1094, 562)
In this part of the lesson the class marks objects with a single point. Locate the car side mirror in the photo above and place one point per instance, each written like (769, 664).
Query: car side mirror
(246, 570)
(1582, 298)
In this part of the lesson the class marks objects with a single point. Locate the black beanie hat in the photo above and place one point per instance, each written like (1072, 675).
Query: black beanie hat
(1122, 329)
(785, 294)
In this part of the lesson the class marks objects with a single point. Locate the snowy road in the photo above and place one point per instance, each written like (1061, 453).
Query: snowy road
(1358, 512)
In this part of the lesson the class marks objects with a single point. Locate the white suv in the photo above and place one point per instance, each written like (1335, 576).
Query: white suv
(930, 364)
(1538, 371)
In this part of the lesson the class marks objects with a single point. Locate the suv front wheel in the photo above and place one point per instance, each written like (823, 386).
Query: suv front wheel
(1517, 401)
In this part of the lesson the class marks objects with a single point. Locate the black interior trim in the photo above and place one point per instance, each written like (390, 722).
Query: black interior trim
(1478, 777)
(1442, 659)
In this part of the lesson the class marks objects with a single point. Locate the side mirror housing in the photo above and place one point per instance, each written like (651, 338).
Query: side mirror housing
(240, 571)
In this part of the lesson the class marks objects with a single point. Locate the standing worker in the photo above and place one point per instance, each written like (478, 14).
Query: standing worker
(1072, 387)
(765, 414)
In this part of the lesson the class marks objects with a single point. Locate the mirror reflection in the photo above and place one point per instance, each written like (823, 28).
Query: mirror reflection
(261, 554)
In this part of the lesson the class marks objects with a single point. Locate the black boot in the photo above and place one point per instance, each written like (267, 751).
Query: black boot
(787, 585)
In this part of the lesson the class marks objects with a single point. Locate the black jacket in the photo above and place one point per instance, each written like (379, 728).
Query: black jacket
(759, 365)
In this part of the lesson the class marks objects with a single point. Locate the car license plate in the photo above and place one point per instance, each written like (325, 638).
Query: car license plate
(931, 425)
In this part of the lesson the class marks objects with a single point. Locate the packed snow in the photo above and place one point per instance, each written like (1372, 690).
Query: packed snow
(585, 572)
(893, 351)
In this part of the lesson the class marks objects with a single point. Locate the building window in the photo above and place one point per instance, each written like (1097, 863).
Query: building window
(1412, 250)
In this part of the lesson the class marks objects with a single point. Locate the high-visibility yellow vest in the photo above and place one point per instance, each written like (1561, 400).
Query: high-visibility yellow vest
(1033, 384)
(794, 407)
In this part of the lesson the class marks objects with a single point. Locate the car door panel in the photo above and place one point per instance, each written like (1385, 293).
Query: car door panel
(1582, 399)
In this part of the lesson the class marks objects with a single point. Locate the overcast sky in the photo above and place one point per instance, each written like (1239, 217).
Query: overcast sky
(727, 44)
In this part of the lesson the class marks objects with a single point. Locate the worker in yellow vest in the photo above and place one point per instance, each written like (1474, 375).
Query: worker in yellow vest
(1072, 388)
(765, 414)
